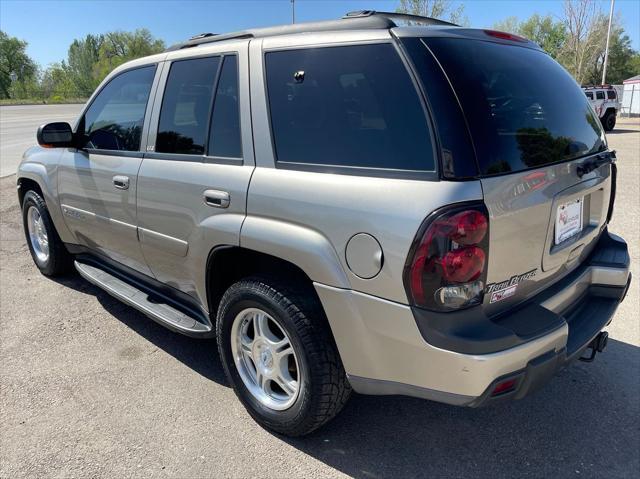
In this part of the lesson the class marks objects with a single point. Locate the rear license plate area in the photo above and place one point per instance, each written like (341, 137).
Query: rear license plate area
(568, 220)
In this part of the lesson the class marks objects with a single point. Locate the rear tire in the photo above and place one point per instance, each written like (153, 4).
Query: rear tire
(609, 121)
(46, 247)
(255, 316)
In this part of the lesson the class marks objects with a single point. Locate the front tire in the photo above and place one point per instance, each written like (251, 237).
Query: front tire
(609, 121)
(46, 247)
(279, 356)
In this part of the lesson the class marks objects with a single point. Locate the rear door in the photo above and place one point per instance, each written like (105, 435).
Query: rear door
(194, 177)
(97, 183)
(531, 127)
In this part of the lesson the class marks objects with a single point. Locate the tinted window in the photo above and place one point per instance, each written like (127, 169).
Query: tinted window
(589, 95)
(184, 116)
(349, 106)
(455, 144)
(114, 119)
(224, 139)
(611, 94)
(523, 109)
(600, 95)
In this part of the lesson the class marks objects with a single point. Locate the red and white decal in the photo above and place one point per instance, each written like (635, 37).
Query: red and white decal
(503, 293)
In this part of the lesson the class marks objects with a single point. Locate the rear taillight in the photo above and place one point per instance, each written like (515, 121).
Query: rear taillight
(446, 268)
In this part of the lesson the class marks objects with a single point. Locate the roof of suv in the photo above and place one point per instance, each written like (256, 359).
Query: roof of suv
(402, 25)
(359, 20)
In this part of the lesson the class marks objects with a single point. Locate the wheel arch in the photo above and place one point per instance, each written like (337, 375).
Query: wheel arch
(37, 177)
(28, 184)
(228, 264)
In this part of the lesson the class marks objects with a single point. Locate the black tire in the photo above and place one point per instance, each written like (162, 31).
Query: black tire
(609, 121)
(59, 260)
(324, 388)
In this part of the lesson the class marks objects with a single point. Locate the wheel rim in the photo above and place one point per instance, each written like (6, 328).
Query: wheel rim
(265, 359)
(38, 234)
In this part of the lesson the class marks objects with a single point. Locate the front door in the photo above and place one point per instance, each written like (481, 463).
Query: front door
(97, 183)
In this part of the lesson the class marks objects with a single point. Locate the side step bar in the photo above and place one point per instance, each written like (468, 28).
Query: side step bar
(154, 306)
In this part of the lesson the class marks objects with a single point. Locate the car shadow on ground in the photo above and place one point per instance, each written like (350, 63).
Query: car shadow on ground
(580, 423)
(198, 354)
(619, 130)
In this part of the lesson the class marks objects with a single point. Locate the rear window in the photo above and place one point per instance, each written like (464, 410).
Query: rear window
(523, 109)
(184, 116)
(224, 138)
(611, 94)
(346, 107)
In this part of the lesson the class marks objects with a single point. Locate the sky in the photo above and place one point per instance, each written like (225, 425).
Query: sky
(50, 26)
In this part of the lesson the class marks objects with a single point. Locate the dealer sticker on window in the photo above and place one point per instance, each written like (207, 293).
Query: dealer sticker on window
(568, 220)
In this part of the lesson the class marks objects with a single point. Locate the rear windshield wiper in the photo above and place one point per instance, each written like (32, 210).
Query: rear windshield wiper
(600, 160)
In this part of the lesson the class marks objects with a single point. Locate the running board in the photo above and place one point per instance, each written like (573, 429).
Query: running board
(154, 306)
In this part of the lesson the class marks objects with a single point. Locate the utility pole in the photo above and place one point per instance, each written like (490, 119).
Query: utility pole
(293, 12)
(606, 50)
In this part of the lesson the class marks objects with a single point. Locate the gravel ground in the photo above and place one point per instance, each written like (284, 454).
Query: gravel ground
(92, 388)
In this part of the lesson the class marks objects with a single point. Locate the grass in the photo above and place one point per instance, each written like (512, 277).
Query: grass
(39, 101)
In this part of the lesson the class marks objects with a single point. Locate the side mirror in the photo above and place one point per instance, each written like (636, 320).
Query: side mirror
(54, 135)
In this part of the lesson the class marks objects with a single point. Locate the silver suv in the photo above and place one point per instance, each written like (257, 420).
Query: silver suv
(346, 205)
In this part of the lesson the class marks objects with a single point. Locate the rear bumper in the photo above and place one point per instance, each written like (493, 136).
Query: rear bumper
(387, 350)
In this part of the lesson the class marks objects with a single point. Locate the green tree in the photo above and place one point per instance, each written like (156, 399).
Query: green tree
(15, 65)
(120, 47)
(544, 31)
(82, 58)
(549, 34)
(509, 25)
(57, 84)
(442, 9)
(621, 58)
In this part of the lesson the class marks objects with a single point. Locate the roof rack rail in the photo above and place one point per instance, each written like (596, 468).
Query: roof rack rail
(363, 19)
(202, 35)
(208, 38)
(400, 16)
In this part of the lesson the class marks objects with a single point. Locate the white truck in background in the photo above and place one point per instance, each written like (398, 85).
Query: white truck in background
(604, 99)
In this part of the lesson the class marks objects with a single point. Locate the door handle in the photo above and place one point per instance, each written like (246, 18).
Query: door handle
(216, 198)
(121, 182)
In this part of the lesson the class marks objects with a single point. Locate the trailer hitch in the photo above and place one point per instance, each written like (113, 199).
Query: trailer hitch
(597, 345)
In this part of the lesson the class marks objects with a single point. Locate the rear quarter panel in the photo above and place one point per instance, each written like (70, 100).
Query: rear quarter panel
(337, 207)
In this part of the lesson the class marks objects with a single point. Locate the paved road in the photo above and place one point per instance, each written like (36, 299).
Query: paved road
(91, 388)
(18, 126)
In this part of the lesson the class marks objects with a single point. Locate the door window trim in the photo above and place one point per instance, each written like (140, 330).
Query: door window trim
(346, 169)
(139, 153)
(152, 135)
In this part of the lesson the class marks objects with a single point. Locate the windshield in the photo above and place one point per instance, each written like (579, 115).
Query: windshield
(523, 109)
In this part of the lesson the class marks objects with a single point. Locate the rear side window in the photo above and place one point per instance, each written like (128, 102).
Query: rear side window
(589, 95)
(114, 119)
(352, 106)
(186, 105)
(523, 109)
(611, 94)
(600, 95)
(224, 138)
